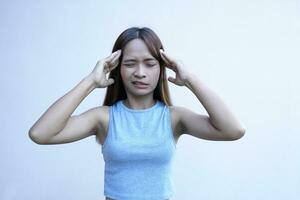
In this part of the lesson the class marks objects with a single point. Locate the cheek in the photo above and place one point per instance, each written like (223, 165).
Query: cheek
(156, 76)
(158, 73)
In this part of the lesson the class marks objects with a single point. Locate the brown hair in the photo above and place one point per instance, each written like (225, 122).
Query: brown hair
(116, 91)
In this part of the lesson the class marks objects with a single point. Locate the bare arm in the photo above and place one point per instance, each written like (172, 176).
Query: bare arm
(221, 124)
(220, 116)
(57, 115)
(57, 126)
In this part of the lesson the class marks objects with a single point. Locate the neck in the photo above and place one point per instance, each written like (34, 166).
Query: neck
(139, 104)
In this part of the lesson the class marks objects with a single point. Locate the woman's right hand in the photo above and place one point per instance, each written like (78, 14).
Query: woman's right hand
(104, 66)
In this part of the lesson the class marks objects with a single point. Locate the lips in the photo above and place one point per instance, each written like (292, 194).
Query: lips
(139, 83)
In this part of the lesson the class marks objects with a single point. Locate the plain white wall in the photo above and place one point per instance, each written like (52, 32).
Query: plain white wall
(246, 51)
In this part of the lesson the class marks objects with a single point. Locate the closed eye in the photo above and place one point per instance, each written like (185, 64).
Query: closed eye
(151, 65)
(128, 65)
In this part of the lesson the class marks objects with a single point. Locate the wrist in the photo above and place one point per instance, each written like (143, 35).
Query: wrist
(189, 80)
(90, 83)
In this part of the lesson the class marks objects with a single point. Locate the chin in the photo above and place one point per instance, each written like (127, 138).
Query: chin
(141, 92)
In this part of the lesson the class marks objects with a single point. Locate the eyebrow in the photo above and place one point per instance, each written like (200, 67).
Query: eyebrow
(134, 60)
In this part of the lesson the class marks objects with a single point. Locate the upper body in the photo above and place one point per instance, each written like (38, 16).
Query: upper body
(137, 75)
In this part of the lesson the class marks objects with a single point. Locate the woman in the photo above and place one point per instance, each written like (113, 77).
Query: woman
(137, 125)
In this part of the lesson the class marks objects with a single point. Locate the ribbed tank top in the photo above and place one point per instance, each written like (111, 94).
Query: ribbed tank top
(138, 152)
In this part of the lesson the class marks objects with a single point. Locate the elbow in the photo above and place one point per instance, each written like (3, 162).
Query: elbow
(34, 137)
(239, 134)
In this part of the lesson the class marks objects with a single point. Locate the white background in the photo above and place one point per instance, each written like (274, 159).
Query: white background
(245, 51)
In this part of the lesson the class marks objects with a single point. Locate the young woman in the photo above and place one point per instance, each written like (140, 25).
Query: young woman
(137, 125)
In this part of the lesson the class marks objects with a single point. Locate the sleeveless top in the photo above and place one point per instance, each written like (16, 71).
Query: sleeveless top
(138, 152)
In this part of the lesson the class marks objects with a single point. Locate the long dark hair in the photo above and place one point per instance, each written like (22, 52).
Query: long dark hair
(116, 91)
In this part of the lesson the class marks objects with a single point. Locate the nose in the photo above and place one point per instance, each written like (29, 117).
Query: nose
(140, 71)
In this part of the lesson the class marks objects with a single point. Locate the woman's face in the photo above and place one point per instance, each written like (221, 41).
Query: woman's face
(139, 65)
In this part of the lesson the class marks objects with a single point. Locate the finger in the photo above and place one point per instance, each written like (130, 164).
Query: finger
(116, 58)
(110, 81)
(108, 67)
(169, 65)
(113, 55)
(168, 58)
(113, 65)
(112, 61)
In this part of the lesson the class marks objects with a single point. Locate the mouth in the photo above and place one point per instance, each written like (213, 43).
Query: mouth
(140, 85)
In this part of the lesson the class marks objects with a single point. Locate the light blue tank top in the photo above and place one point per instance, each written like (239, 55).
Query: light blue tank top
(138, 151)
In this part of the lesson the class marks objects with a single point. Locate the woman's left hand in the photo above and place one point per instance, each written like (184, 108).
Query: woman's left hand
(177, 66)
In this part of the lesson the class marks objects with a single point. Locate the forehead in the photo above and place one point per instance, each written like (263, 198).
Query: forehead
(136, 49)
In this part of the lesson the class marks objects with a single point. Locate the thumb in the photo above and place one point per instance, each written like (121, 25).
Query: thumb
(110, 81)
(171, 79)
